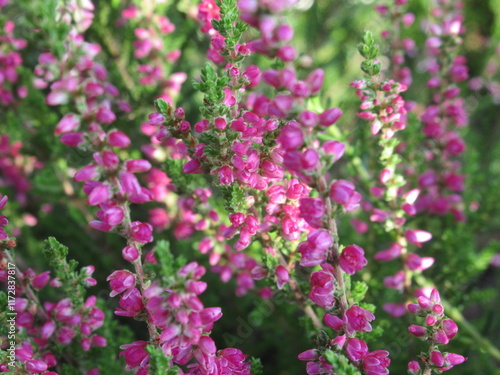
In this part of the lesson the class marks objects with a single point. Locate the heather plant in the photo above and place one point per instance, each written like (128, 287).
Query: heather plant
(254, 187)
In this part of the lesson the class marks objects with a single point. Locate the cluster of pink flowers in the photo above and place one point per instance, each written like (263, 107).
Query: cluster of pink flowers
(383, 106)
(438, 330)
(183, 320)
(11, 88)
(150, 30)
(15, 168)
(176, 318)
(270, 158)
(41, 326)
(245, 162)
(443, 118)
(401, 47)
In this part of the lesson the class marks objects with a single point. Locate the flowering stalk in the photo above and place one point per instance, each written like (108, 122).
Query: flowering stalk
(245, 153)
(384, 108)
(11, 89)
(151, 31)
(39, 328)
(438, 330)
(399, 46)
(446, 114)
(177, 322)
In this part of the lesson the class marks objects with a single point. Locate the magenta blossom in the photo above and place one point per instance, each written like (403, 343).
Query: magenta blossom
(359, 319)
(352, 259)
(121, 281)
(135, 354)
(356, 349)
(376, 363)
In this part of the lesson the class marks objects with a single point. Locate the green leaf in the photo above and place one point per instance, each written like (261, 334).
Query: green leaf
(256, 366)
(162, 106)
(358, 291)
(340, 363)
(160, 363)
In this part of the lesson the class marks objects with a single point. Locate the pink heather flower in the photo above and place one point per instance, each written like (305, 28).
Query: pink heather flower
(314, 249)
(322, 289)
(271, 77)
(376, 363)
(113, 216)
(100, 194)
(437, 358)
(395, 309)
(313, 211)
(417, 331)
(455, 146)
(137, 165)
(67, 124)
(359, 319)
(334, 148)
(359, 226)
(341, 191)
(131, 305)
(309, 159)
(440, 337)
(135, 354)
(392, 253)
(141, 232)
(121, 281)
(156, 118)
(413, 367)
(334, 322)
(449, 327)
(105, 116)
(396, 281)
(417, 236)
(130, 253)
(35, 366)
(88, 172)
(48, 329)
(330, 116)
(282, 276)
(315, 80)
(356, 349)
(418, 263)
(3, 201)
(308, 355)
(452, 359)
(286, 53)
(352, 259)
(284, 33)
(280, 106)
(253, 75)
(291, 136)
(41, 280)
(192, 167)
(309, 119)
(73, 139)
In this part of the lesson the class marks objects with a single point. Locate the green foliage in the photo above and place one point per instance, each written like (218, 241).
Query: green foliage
(211, 84)
(358, 291)
(168, 264)
(256, 366)
(340, 363)
(72, 281)
(230, 26)
(184, 183)
(159, 363)
(234, 198)
(162, 107)
(369, 50)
